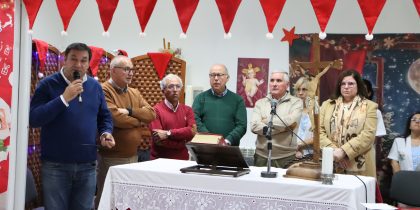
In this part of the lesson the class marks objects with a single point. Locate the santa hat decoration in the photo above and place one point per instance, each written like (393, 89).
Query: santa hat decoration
(106, 11)
(122, 52)
(272, 10)
(185, 10)
(323, 10)
(66, 8)
(32, 8)
(42, 49)
(371, 10)
(160, 61)
(227, 10)
(97, 53)
(144, 9)
(417, 5)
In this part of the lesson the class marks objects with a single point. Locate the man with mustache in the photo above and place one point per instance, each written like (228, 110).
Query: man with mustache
(219, 110)
(174, 125)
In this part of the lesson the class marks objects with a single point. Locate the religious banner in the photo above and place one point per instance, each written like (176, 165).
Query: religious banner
(6, 68)
(252, 79)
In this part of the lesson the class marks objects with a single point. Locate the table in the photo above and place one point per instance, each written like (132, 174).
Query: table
(159, 184)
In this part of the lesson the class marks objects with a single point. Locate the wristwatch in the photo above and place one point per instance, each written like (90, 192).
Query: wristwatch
(168, 133)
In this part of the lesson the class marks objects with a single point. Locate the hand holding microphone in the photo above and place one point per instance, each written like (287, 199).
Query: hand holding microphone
(74, 89)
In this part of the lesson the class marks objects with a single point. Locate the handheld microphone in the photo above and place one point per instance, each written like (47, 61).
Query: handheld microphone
(273, 106)
(76, 75)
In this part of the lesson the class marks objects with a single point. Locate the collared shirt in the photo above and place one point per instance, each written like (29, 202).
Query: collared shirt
(118, 88)
(68, 83)
(170, 106)
(223, 93)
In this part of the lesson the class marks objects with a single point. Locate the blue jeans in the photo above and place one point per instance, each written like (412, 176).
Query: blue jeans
(144, 155)
(68, 186)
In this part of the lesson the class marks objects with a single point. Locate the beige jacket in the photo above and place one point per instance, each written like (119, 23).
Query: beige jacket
(284, 142)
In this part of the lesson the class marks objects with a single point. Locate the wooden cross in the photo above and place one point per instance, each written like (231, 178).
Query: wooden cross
(316, 65)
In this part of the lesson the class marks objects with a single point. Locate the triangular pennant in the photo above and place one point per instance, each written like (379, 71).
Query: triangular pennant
(160, 61)
(66, 8)
(144, 9)
(371, 9)
(97, 53)
(227, 10)
(417, 5)
(42, 49)
(323, 10)
(106, 11)
(185, 10)
(272, 10)
(32, 8)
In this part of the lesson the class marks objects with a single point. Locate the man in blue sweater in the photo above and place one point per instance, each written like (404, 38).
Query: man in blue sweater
(70, 108)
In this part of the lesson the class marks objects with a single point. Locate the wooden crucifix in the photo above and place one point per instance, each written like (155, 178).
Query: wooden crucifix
(320, 68)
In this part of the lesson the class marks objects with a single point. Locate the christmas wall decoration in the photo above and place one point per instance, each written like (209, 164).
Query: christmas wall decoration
(371, 9)
(272, 10)
(66, 8)
(106, 11)
(185, 10)
(323, 10)
(32, 8)
(144, 9)
(227, 10)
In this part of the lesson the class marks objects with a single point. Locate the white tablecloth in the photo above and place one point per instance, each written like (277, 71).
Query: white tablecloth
(159, 184)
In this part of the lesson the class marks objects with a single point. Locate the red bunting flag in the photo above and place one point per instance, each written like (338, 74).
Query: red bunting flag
(66, 8)
(160, 61)
(97, 53)
(144, 9)
(106, 11)
(42, 49)
(371, 9)
(417, 5)
(32, 8)
(272, 10)
(185, 10)
(227, 10)
(323, 10)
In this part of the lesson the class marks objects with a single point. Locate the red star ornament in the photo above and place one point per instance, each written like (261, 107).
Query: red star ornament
(289, 36)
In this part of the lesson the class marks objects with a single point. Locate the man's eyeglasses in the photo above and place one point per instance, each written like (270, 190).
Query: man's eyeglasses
(213, 75)
(125, 68)
(417, 120)
(173, 87)
(348, 84)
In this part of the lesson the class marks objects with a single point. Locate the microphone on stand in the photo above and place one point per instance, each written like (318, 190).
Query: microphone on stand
(76, 75)
(273, 106)
(267, 132)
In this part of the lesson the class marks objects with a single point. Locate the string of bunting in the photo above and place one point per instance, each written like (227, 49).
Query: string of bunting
(185, 9)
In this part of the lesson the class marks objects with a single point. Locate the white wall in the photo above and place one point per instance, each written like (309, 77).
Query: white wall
(205, 44)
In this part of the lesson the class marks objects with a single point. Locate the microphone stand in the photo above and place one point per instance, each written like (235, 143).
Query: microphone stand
(269, 173)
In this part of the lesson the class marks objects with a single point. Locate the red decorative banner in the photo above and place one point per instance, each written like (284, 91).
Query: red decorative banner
(106, 11)
(160, 60)
(97, 53)
(42, 49)
(272, 10)
(6, 68)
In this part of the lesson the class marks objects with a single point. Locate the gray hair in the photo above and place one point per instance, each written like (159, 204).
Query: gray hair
(168, 77)
(120, 59)
(285, 74)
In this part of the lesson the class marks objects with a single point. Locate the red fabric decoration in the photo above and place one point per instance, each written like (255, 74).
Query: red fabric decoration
(106, 11)
(42, 49)
(185, 10)
(417, 5)
(160, 60)
(289, 36)
(122, 52)
(272, 10)
(97, 53)
(323, 10)
(32, 8)
(371, 9)
(144, 9)
(227, 10)
(66, 9)
(4, 174)
(355, 60)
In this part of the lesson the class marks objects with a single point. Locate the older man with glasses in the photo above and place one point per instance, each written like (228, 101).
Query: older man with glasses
(174, 125)
(129, 110)
(219, 110)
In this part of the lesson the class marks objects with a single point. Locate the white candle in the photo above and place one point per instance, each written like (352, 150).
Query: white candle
(327, 160)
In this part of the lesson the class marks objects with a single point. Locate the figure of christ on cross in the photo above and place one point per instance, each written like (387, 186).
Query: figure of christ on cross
(298, 68)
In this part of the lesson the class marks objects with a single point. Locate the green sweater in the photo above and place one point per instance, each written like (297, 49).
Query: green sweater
(224, 115)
